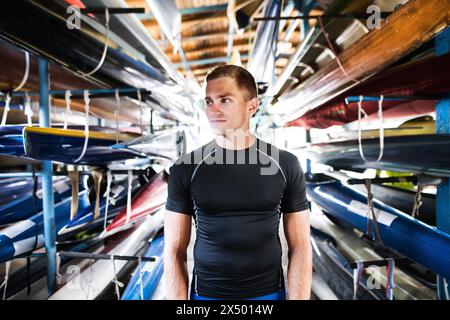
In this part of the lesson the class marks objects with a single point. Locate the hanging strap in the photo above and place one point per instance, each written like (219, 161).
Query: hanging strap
(357, 273)
(417, 201)
(371, 212)
(105, 48)
(74, 182)
(6, 109)
(106, 194)
(26, 73)
(117, 283)
(20, 86)
(130, 179)
(86, 124)
(97, 175)
(68, 112)
(58, 268)
(330, 45)
(4, 284)
(28, 111)
(141, 288)
(390, 268)
(116, 114)
(381, 130)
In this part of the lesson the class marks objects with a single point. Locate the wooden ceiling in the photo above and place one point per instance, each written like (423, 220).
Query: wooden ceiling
(204, 36)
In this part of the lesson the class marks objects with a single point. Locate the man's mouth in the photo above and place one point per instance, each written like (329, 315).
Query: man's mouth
(217, 120)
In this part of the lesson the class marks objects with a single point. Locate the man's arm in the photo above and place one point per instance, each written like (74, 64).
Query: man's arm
(297, 232)
(177, 234)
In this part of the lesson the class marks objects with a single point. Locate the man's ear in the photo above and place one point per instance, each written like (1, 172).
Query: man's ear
(254, 104)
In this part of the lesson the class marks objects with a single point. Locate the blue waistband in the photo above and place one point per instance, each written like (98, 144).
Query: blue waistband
(280, 295)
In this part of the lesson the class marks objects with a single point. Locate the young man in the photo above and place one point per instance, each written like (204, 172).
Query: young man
(236, 188)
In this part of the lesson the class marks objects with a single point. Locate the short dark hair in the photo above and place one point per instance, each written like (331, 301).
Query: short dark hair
(243, 78)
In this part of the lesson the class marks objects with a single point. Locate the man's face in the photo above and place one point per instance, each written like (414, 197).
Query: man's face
(227, 108)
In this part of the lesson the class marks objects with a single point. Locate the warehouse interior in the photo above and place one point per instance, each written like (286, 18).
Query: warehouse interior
(98, 99)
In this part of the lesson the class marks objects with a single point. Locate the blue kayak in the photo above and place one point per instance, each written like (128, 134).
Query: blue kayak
(85, 219)
(25, 204)
(410, 237)
(25, 236)
(67, 145)
(150, 272)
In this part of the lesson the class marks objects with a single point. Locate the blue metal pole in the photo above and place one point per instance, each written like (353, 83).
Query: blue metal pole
(443, 190)
(47, 183)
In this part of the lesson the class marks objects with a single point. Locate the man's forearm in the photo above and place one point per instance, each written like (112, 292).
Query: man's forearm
(300, 274)
(176, 277)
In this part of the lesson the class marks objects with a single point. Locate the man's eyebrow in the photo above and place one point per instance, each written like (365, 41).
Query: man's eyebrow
(226, 94)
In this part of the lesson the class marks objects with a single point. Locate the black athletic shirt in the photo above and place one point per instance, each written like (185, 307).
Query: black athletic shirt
(236, 198)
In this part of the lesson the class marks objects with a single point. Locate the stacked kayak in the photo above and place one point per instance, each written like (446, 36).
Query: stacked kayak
(91, 281)
(25, 204)
(400, 150)
(67, 146)
(27, 235)
(410, 237)
(337, 247)
(150, 199)
(147, 276)
(87, 219)
(11, 143)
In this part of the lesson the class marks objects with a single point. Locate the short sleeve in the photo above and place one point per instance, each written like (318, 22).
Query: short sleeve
(294, 197)
(179, 192)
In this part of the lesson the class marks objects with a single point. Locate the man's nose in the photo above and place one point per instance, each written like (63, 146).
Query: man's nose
(214, 108)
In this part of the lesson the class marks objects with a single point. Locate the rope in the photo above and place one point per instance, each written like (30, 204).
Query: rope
(141, 289)
(130, 178)
(6, 109)
(417, 201)
(380, 117)
(28, 111)
(20, 86)
(97, 175)
(371, 211)
(117, 283)
(106, 194)
(58, 265)
(89, 281)
(5, 282)
(74, 177)
(390, 279)
(68, 112)
(105, 49)
(86, 125)
(357, 273)
(26, 73)
(116, 114)
(322, 29)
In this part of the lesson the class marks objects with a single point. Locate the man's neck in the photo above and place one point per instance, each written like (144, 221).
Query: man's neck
(236, 141)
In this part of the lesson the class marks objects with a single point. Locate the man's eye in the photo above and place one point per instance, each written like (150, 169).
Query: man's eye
(225, 100)
(208, 102)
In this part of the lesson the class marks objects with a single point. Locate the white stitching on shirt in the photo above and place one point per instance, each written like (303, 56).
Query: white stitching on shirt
(195, 170)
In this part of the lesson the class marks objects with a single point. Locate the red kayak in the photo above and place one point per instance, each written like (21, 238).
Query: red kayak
(427, 77)
(148, 201)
